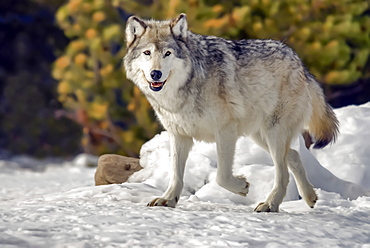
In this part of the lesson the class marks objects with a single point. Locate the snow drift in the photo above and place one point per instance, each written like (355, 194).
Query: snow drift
(54, 203)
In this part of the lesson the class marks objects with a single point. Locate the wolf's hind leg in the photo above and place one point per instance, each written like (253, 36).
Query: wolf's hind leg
(305, 188)
(295, 165)
(225, 141)
(179, 150)
(277, 147)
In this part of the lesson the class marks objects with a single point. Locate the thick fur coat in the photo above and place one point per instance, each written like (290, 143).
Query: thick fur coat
(211, 89)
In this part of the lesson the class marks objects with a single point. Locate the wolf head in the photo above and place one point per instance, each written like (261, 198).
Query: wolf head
(155, 54)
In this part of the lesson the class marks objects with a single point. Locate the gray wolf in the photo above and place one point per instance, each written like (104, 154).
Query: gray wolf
(216, 90)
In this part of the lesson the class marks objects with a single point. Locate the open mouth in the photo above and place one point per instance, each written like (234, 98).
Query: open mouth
(156, 86)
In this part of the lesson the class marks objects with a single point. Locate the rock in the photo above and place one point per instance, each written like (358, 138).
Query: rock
(115, 169)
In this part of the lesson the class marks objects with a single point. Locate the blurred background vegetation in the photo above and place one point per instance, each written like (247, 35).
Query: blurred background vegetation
(63, 89)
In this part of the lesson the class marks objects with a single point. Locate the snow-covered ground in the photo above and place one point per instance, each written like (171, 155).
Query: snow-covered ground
(55, 203)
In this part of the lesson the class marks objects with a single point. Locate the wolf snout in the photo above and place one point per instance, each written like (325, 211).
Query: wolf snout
(156, 75)
(156, 85)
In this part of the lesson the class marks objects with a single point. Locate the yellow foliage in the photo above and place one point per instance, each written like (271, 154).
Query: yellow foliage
(57, 73)
(69, 75)
(343, 28)
(98, 4)
(85, 140)
(73, 5)
(64, 87)
(218, 8)
(81, 96)
(87, 84)
(89, 74)
(216, 23)
(91, 33)
(96, 43)
(137, 91)
(98, 16)
(316, 46)
(128, 137)
(87, 7)
(80, 59)
(305, 33)
(76, 28)
(77, 45)
(116, 3)
(332, 77)
(337, 77)
(172, 5)
(257, 27)
(105, 71)
(61, 15)
(131, 107)
(266, 2)
(97, 110)
(62, 62)
(238, 14)
(332, 38)
(362, 56)
(62, 98)
(193, 3)
(111, 32)
(332, 48)
(104, 124)
(269, 23)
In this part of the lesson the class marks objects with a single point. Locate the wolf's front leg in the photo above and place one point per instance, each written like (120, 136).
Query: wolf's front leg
(226, 140)
(179, 150)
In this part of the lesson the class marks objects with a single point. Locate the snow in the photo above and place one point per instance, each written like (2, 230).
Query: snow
(54, 203)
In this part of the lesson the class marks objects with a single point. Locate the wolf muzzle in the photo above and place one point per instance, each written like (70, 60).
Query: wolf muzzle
(156, 85)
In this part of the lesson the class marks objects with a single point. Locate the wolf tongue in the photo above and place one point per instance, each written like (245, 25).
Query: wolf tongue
(157, 84)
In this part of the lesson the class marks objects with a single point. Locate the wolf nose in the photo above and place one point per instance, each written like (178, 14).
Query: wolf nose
(155, 74)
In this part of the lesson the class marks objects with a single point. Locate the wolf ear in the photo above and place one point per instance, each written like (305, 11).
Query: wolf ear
(135, 27)
(179, 27)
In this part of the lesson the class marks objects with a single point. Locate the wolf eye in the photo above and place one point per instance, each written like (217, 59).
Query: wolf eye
(147, 52)
(168, 53)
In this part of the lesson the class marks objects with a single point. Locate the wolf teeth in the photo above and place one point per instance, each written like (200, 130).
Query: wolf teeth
(157, 84)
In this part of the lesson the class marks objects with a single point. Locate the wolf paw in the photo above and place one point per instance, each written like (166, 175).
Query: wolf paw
(244, 191)
(160, 202)
(238, 185)
(311, 199)
(266, 207)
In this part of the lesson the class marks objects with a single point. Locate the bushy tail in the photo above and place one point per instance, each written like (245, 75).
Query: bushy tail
(323, 126)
